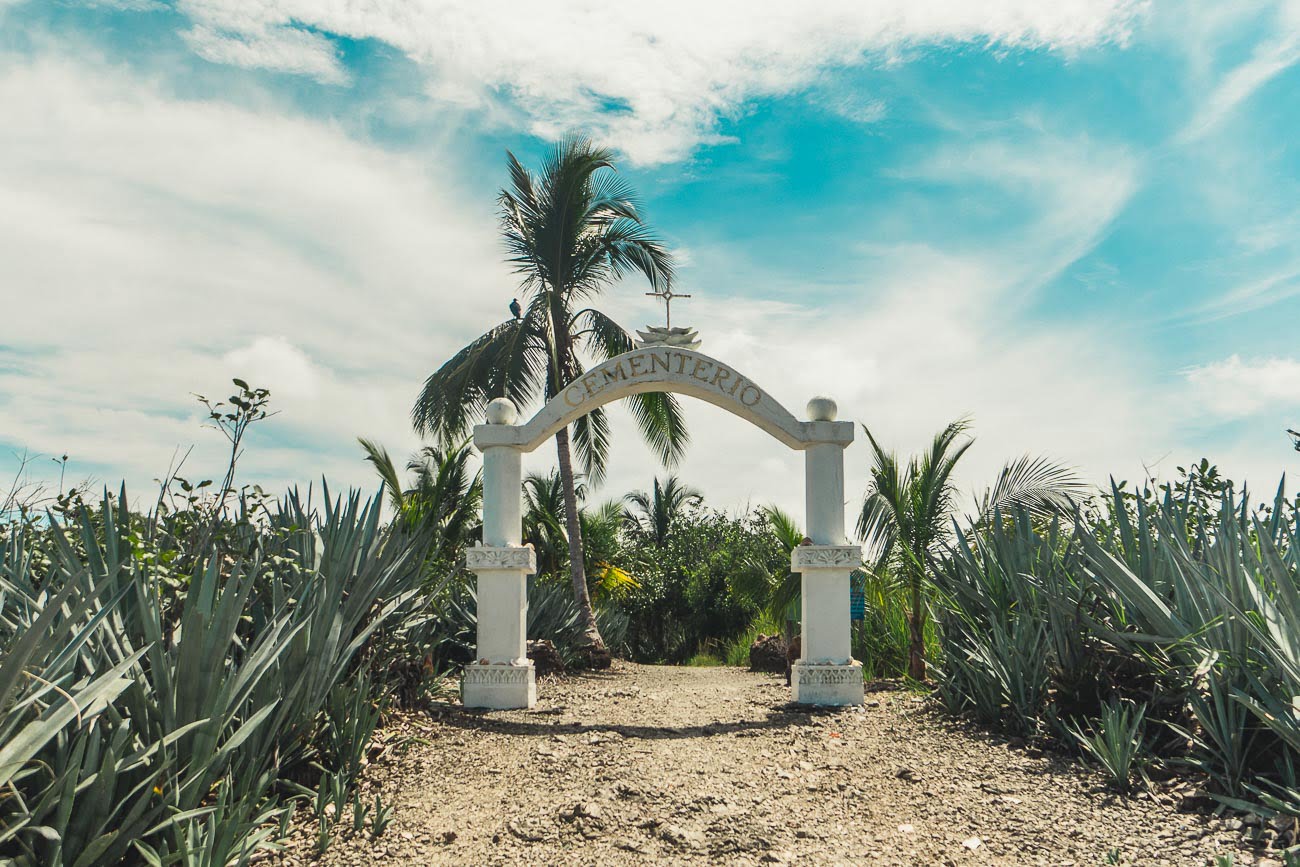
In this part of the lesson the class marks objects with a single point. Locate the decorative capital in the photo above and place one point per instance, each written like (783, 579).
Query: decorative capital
(825, 557)
(483, 558)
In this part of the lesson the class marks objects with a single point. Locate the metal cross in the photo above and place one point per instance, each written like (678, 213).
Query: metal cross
(667, 295)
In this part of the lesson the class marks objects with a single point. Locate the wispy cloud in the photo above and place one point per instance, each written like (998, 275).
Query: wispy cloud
(279, 49)
(153, 246)
(653, 79)
(1269, 59)
(1057, 195)
(1235, 387)
(1255, 294)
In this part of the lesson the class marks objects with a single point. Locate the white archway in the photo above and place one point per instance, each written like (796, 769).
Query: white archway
(502, 675)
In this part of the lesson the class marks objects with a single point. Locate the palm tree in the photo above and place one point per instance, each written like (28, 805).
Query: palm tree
(652, 514)
(544, 519)
(544, 529)
(774, 592)
(442, 498)
(570, 231)
(907, 514)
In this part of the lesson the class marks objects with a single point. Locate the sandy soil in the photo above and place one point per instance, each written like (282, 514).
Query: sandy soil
(646, 764)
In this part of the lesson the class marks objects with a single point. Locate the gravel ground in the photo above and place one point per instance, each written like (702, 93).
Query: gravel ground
(648, 764)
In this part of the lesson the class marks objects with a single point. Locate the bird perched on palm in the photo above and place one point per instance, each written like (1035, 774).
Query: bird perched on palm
(515, 310)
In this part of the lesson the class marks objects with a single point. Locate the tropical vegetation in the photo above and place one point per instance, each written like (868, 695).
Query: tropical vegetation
(908, 512)
(175, 682)
(570, 231)
(1156, 629)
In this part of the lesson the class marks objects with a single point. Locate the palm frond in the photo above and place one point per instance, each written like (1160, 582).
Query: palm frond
(660, 418)
(379, 458)
(508, 361)
(784, 525)
(591, 439)
(1042, 486)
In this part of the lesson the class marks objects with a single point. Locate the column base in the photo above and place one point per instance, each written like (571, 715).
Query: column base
(826, 685)
(499, 685)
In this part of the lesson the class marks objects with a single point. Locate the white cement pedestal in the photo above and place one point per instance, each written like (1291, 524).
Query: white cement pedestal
(500, 685)
(503, 675)
(833, 685)
(826, 673)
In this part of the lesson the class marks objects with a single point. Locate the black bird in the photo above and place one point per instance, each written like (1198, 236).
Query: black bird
(516, 309)
(1295, 434)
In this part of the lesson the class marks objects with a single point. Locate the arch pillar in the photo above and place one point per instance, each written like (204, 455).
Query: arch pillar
(826, 673)
(502, 674)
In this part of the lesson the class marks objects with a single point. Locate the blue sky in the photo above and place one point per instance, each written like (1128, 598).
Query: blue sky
(1078, 224)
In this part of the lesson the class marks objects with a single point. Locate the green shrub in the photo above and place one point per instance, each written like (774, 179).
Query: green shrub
(880, 640)
(1182, 601)
(684, 602)
(736, 651)
(1115, 741)
(151, 714)
(705, 660)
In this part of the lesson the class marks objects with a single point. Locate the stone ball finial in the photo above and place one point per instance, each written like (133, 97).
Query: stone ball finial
(822, 408)
(500, 410)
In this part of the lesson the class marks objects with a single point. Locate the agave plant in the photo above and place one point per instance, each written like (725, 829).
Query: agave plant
(169, 749)
(1165, 602)
(1115, 741)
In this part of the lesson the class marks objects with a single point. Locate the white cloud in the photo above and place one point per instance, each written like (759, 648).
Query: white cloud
(152, 246)
(1235, 387)
(158, 246)
(282, 49)
(854, 106)
(670, 70)
(277, 365)
(1270, 58)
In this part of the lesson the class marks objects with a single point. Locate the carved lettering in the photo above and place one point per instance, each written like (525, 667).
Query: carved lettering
(695, 370)
(620, 373)
(617, 373)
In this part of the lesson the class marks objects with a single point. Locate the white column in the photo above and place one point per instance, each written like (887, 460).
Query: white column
(826, 673)
(502, 674)
(502, 477)
(824, 493)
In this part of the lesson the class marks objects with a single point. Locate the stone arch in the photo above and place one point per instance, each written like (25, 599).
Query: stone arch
(502, 676)
(665, 368)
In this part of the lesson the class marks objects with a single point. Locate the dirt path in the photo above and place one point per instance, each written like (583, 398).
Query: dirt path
(648, 764)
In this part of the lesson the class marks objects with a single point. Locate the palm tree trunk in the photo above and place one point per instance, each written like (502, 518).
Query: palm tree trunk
(597, 653)
(916, 624)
